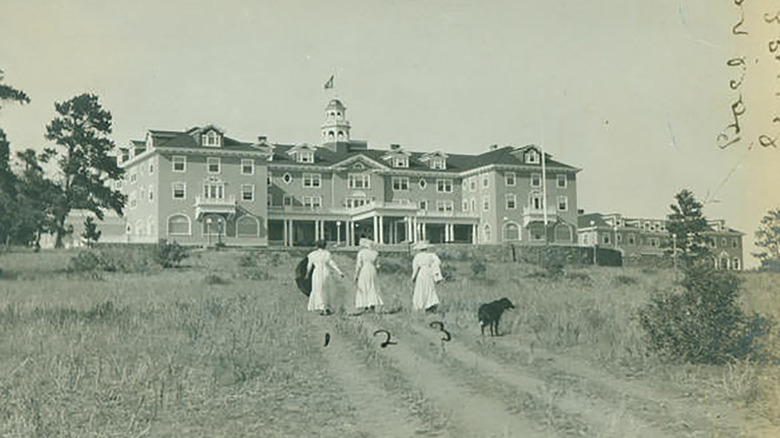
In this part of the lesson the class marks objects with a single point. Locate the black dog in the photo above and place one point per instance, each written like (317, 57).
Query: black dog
(490, 314)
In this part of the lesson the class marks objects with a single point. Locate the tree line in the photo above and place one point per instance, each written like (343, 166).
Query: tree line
(34, 202)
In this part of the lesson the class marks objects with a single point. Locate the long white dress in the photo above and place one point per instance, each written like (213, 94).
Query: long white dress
(321, 259)
(425, 265)
(367, 294)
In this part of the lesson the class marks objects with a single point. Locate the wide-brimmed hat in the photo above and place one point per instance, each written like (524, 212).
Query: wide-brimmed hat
(421, 245)
(366, 242)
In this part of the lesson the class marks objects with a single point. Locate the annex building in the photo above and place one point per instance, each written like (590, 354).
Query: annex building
(200, 187)
(643, 240)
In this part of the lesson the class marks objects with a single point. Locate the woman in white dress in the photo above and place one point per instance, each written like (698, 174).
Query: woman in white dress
(426, 272)
(322, 261)
(367, 295)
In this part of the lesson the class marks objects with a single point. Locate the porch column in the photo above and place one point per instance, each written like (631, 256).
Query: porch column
(376, 229)
(338, 233)
(291, 231)
(322, 229)
(424, 231)
(316, 230)
(414, 229)
(351, 233)
(474, 234)
(381, 230)
(446, 233)
(408, 224)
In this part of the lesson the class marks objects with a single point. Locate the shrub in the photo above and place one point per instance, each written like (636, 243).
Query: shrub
(214, 279)
(625, 280)
(86, 261)
(170, 254)
(478, 267)
(449, 272)
(390, 265)
(704, 323)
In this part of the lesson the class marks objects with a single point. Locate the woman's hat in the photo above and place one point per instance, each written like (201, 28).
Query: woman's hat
(421, 245)
(366, 243)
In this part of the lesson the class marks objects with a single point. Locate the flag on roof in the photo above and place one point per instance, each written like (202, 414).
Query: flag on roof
(329, 84)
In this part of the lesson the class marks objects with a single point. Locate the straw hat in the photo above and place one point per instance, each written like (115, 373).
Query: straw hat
(366, 243)
(421, 245)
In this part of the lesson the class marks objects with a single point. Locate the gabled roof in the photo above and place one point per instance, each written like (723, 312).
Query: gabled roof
(584, 220)
(189, 140)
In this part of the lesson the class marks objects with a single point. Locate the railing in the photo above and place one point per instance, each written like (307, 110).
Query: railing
(204, 201)
(534, 214)
(452, 213)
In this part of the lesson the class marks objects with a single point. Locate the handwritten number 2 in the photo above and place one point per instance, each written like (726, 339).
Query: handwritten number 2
(387, 341)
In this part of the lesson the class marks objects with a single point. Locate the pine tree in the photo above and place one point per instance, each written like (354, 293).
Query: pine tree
(81, 131)
(91, 234)
(687, 227)
(7, 177)
(768, 237)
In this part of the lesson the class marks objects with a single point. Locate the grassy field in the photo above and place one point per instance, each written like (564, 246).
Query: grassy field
(224, 347)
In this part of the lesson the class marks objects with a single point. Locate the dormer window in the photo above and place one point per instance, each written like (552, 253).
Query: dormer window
(401, 162)
(438, 163)
(532, 157)
(305, 157)
(210, 139)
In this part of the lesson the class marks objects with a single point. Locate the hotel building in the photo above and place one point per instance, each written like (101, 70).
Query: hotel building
(200, 187)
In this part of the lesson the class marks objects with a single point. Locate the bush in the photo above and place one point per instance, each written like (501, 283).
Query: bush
(170, 254)
(214, 279)
(478, 267)
(704, 323)
(625, 280)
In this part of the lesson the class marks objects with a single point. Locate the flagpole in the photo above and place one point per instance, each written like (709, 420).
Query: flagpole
(544, 183)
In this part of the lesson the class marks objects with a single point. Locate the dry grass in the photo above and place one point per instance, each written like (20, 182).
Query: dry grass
(220, 346)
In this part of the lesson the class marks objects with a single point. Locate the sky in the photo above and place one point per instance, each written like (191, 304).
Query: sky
(633, 93)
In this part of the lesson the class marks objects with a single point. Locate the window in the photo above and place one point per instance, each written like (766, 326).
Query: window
(536, 200)
(214, 191)
(179, 225)
(486, 232)
(473, 205)
(213, 164)
(356, 202)
(511, 232)
(269, 200)
(269, 178)
(247, 167)
(532, 157)
(605, 239)
(179, 190)
(536, 180)
(287, 178)
(247, 226)
(423, 183)
(723, 242)
(210, 139)
(179, 164)
(118, 185)
(400, 183)
(133, 201)
(311, 201)
(473, 184)
(359, 181)
(444, 206)
(438, 163)
(359, 166)
(465, 205)
(734, 242)
(485, 181)
(631, 239)
(312, 180)
(424, 204)
(305, 157)
(563, 203)
(619, 238)
(248, 192)
(653, 242)
(401, 162)
(485, 203)
(151, 168)
(444, 185)
(464, 185)
(561, 181)
(509, 179)
(511, 201)
(287, 200)
(735, 263)
(133, 178)
(151, 193)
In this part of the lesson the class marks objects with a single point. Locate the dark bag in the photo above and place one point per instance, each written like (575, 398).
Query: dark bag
(302, 278)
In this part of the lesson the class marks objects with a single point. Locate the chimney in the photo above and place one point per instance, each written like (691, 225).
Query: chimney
(580, 211)
(493, 147)
(261, 138)
(395, 147)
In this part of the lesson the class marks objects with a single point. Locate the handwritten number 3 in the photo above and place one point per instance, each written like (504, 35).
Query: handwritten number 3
(441, 328)
(776, 18)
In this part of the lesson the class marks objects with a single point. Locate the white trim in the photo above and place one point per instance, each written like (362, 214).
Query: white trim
(173, 190)
(285, 177)
(399, 179)
(558, 180)
(168, 225)
(513, 197)
(209, 161)
(565, 200)
(506, 179)
(445, 181)
(532, 180)
(252, 187)
(174, 159)
(519, 231)
(313, 178)
(248, 217)
(249, 161)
